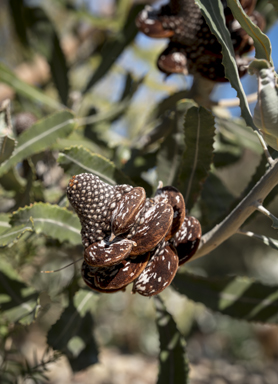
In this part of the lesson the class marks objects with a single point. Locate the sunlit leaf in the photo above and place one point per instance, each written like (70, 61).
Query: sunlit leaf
(50, 220)
(239, 297)
(77, 160)
(39, 137)
(199, 133)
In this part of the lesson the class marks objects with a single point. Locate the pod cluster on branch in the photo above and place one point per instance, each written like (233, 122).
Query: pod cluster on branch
(129, 238)
(192, 48)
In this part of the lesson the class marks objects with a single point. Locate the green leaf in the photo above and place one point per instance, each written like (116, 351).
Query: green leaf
(72, 326)
(7, 145)
(215, 202)
(4, 222)
(46, 41)
(197, 158)
(261, 41)
(13, 234)
(170, 153)
(114, 48)
(75, 160)
(213, 12)
(50, 220)
(239, 297)
(26, 90)
(39, 137)
(17, 300)
(173, 363)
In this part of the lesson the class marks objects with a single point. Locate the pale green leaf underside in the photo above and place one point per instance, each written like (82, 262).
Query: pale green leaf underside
(261, 41)
(39, 137)
(214, 15)
(76, 160)
(238, 297)
(10, 235)
(50, 220)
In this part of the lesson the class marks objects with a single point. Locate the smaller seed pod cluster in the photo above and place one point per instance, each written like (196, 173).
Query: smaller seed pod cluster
(192, 47)
(129, 238)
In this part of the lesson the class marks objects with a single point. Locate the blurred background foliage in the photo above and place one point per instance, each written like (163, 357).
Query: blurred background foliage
(89, 57)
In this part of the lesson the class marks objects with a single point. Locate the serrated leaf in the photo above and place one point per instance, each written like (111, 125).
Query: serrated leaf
(198, 154)
(4, 222)
(39, 137)
(213, 12)
(114, 48)
(27, 90)
(170, 153)
(7, 145)
(71, 325)
(44, 31)
(17, 300)
(173, 363)
(75, 160)
(50, 220)
(12, 235)
(239, 297)
(215, 201)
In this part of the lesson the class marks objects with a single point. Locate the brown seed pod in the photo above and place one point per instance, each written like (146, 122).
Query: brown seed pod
(103, 253)
(148, 23)
(122, 274)
(176, 200)
(127, 211)
(94, 201)
(187, 239)
(156, 222)
(159, 272)
(88, 275)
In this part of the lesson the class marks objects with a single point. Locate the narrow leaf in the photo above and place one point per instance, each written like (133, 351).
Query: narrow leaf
(173, 363)
(238, 297)
(213, 12)
(75, 160)
(44, 31)
(72, 325)
(12, 234)
(197, 157)
(114, 48)
(7, 145)
(261, 41)
(39, 137)
(50, 220)
(27, 90)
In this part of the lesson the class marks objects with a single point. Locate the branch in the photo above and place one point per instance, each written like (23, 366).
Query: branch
(230, 225)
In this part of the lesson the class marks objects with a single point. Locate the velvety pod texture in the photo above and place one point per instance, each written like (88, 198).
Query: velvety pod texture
(129, 238)
(192, 48)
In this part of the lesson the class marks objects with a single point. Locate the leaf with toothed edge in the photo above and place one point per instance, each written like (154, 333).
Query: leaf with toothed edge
(50, 220)
(199, 133)
(77, 159)
(173, 362)
(39, 137)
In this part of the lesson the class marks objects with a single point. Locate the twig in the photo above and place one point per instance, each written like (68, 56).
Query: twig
(235, 101)
(230, 225)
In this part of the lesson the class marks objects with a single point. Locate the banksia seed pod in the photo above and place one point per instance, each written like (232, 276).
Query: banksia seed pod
(193, 48)
(175, 199)
(94, 201)
(187, 239)
(159, 272)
